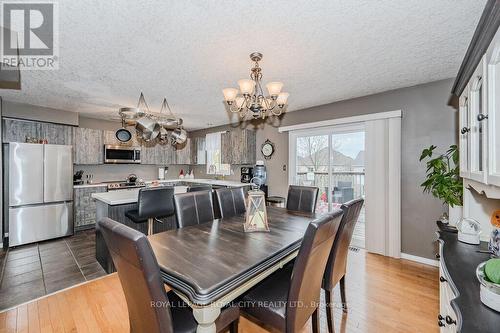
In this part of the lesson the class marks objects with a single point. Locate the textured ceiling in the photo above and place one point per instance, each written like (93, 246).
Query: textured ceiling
(323, 51)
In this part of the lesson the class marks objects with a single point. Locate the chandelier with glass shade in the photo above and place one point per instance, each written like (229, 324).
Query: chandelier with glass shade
(250, 101)
(162, 127)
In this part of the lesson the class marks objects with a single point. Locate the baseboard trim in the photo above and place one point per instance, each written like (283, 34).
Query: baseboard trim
(421, 260)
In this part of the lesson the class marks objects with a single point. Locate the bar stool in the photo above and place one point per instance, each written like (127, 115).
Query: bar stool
(153, 203)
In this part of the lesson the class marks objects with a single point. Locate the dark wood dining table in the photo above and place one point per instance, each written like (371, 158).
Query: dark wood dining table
(211, 264)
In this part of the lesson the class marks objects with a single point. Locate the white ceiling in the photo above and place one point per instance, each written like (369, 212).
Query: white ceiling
(323, 51)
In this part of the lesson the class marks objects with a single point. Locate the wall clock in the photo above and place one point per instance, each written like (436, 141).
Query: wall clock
(267, 149)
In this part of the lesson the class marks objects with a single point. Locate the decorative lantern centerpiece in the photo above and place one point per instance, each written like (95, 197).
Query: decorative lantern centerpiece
(256, 214)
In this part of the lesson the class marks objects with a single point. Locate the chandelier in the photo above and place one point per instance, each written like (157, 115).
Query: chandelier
(163, 127)
(249, 101)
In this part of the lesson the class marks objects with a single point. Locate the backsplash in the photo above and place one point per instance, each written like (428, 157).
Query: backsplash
(109, 172)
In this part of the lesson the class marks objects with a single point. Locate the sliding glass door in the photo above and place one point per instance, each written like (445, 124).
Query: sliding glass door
(331, 159)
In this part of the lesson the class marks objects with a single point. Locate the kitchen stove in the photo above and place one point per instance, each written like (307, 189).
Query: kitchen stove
(120, 185)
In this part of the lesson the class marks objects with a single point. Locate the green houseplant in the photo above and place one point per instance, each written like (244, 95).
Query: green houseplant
(442, 178)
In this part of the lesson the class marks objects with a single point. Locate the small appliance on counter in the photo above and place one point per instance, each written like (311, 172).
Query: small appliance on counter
(469, 231)
(162, 172)
(77, 178)
(246, 174)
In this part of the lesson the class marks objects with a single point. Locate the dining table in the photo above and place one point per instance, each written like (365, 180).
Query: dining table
(211, 264)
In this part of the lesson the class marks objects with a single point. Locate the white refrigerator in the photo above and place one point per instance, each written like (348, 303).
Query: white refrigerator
(40, 192)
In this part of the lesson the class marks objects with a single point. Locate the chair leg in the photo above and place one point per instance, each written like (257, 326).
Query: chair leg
(315, 321)
(342, 294)
(233, 327)
(329, 311)
(150, 226)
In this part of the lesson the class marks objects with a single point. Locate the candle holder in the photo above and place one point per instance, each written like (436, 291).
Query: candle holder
(256, 214)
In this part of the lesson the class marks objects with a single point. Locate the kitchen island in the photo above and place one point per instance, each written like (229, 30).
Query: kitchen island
(114, 204)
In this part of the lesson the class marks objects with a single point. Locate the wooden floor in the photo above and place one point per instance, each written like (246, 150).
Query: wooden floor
(384, 295)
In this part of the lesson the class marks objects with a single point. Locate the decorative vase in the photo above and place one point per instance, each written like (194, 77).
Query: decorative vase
(455, 214)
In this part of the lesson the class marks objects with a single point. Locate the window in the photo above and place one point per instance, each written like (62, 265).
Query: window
(214, 155)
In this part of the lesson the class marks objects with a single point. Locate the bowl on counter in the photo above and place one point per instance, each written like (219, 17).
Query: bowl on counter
(489, 291)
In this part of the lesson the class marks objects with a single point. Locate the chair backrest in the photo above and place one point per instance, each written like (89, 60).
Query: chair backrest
(193, 208)
(337, 260)
(156, 201)
(140, 278)
(197, 188)
(231, 201)
(302, 198)
(308, 270)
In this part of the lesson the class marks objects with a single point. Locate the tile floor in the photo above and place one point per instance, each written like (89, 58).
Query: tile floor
(31, 271)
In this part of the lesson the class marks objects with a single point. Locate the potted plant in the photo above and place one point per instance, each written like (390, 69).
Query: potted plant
(443, 180)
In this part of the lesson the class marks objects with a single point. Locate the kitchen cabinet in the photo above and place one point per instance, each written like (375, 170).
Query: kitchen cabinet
(85, 206)
(15, 130)
(57, 134)
(479, 117)
(153, 153)
(88, 146)
(238, 147)
(183, 153)
(198, 150)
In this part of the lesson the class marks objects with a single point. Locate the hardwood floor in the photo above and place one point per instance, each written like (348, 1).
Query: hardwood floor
(36, 270)
(384, 295)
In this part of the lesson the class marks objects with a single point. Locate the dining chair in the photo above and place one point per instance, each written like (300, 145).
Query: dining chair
(337, 261)
(196, 188)
(193, 208)
(151, 309)
(153, 203)
(302, 198)
(288, 298)
(231, 201)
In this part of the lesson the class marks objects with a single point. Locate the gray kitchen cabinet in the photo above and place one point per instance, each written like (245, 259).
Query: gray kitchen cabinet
(183, 152)
(15, 130)
(57, 134)
(85, 206)
(238, 147)
(154, 153)
(88, 146)
(198, 150)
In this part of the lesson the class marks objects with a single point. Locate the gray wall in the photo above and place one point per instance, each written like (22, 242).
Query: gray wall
(38, 113)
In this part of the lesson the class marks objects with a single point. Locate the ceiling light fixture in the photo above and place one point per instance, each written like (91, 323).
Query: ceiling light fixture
(150, 126)
(249, 101)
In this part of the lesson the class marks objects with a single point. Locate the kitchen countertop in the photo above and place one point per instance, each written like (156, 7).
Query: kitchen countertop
(228, 183)
(122, 197)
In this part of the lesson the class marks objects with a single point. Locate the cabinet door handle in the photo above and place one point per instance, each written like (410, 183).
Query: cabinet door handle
(440, 323)
(450, 321)
(481, 117)
(440, 317)
(465, 130)
(442, 279)
(438, 256)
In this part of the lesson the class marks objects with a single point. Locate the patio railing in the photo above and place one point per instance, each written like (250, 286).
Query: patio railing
(340, 179)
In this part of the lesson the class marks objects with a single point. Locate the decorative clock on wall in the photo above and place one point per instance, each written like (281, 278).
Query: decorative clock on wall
(267, 149)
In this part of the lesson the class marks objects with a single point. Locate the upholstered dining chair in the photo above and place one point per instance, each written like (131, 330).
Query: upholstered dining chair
(193, 208)
(302, 198)
(153, 203)
(150, 308)
(196, 188)
(231, 201)
(288, 298)
(337, 261)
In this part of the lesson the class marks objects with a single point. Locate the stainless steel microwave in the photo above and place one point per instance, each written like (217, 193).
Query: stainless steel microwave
(122, 154)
